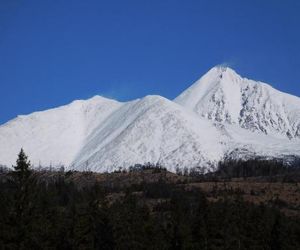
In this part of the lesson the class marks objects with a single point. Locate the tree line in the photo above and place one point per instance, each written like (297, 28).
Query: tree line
(58, 215)
(258, 167)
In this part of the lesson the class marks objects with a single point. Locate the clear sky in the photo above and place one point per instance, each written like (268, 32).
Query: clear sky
(55, 51)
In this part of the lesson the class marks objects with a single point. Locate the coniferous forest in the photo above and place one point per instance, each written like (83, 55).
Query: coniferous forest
(71, 210)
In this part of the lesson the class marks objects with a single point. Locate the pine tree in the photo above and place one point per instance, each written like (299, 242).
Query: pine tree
(23, 201)
(22, 169)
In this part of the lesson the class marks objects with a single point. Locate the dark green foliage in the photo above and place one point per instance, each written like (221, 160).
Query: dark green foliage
(157, 190)
(60, 216)
(156, 168)
(22, 169)
(21, 203)
(40, 214)
(259, 167)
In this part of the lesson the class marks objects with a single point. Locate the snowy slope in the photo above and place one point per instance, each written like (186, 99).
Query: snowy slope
(54, 136)
(223, 96)
(221, 115)
(152, 129)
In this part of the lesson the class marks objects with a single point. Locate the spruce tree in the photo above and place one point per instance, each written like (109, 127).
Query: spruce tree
(22, 169)
(23, 201)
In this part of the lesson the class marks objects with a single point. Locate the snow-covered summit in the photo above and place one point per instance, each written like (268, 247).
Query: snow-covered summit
(56, 135)
(218, 76)
(223, 96)
(221, 115)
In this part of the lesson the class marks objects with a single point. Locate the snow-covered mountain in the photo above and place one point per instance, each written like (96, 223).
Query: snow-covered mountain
(224, 97)
(221, 115)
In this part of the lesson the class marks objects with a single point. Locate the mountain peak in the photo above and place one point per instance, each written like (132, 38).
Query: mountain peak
(221, 115)
(221, 68)
(98, 98)
(223, 96)
(220, 72)
(217, 76)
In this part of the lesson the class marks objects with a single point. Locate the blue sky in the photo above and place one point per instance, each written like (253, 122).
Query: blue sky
(52, 52)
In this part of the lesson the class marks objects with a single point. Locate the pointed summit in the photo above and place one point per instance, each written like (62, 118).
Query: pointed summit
(221, 115)
(218, 75)
(220, 72)
(222, 68)
(223, 96)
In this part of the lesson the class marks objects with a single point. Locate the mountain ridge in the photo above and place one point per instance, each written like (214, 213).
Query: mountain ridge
(220, 115)
(233, 99)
